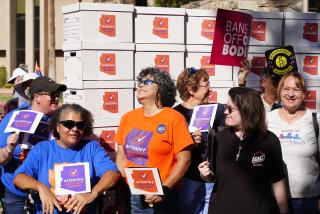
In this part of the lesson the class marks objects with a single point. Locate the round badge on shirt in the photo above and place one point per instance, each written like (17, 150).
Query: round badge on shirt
(161, 129)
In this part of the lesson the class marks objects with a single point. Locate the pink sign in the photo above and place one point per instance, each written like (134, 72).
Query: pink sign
(231, 37)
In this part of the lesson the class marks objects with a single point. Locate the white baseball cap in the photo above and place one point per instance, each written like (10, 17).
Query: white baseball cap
(19, 87)
(16, 73)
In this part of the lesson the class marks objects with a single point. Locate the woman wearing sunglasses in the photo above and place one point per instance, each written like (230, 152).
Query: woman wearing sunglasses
(155, 136)
(247, 161)
(70, 125)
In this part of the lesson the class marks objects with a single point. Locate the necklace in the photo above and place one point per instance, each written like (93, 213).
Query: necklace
(241, 144)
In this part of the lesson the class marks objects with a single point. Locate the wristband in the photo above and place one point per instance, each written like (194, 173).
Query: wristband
(166, 191)
(243, 84)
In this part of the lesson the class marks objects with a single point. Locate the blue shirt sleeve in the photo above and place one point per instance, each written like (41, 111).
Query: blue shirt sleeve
(30, 165)
(101, 161)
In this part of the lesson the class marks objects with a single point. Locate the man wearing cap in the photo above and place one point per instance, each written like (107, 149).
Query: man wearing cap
(45, 95)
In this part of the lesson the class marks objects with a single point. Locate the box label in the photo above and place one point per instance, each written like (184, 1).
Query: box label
(160, 27)
(207, 28)
(310, 32)
(311, 99)
(108, 63)
(213, 97)
(205, 64)
(258, 64)
(110, 102)
(108, 25)
(310, 65)
(162, 62)
(259, 30)
(106, 140)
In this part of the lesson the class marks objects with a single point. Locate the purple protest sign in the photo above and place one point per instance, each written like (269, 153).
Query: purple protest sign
(202, 117)
(73, 178)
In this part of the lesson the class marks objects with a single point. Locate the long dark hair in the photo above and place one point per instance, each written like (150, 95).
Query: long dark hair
(86, 116)
(251, 109)
(167, 91)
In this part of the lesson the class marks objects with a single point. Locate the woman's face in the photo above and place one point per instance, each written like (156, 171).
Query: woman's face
(291, 95)
(70, 129)
(147, 90)
(233, 117)
(202, 94)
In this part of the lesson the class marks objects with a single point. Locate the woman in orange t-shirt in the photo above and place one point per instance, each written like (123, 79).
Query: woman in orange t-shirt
(155, 136)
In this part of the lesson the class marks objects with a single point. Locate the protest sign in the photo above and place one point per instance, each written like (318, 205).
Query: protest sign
(281, 61)
(203, 117)
(24, 121)
(72, 178)
(143, 181)
(231, 37)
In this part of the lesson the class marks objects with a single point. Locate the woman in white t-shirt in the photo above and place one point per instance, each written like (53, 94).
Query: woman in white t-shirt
(293, 125)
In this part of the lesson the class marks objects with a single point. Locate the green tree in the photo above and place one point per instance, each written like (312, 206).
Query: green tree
(167, 3)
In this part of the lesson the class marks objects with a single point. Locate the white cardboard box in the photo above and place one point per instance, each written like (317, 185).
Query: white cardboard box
(170, 58)
(160, 25)
(200, 26)
(266, 28)
(308, 60)
(302, 29)
(219, 91)
(198, 56)
(98, 22)
(88, 61)
(107, 103)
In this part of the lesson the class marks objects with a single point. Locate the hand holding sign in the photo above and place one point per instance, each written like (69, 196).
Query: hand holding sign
(12, 142)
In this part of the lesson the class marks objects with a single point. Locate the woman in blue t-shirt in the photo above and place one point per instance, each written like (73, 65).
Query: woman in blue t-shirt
(70, 125)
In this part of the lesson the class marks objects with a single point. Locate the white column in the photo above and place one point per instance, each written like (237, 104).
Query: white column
(29, 34)
(44, 36)
(11, 48)
(305, 6)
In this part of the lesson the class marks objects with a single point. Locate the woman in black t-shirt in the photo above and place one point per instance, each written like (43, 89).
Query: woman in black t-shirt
(246, 160)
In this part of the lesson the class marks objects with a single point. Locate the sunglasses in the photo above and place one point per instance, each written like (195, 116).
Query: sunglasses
(191, 71)
(230, 109)
(69, 124)
(146, 82)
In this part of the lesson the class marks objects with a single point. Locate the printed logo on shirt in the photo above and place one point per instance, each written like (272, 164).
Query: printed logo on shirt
(162, 62)
(310, 32)
(110, 102)
(205, 64)
(207, 28)
(108, 25)
(310, 65)
(161, 128)
(106, 140)
(108, 63)
(258, 159)
(136, 146)
(311, 99)
(160, 27)
(290, 137)
(259, 30)
(258, 64)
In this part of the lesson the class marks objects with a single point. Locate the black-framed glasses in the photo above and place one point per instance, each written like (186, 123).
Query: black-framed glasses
(52, 94)
(146, 82)
(230, 109)
(69, 124)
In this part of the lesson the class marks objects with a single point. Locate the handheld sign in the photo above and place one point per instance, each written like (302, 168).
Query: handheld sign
(231, 37)
(24, 121)
(143, 181)
(72, 178)
(203, 117)
(281, 61)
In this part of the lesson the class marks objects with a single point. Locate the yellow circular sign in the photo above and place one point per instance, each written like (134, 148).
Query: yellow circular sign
(281, 61)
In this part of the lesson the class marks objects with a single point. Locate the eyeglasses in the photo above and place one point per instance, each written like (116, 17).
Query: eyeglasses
(69, 124)
(230, 109)
(52, 94)
(191, 71)
(205, 86)
(146, 82)
(293, 90)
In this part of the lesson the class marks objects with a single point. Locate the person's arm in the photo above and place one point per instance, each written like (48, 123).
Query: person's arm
(280, 193)
(121, 160)
(7, 151)
(243, 73)
(79, 201)
(47, 198)
(183, 162)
